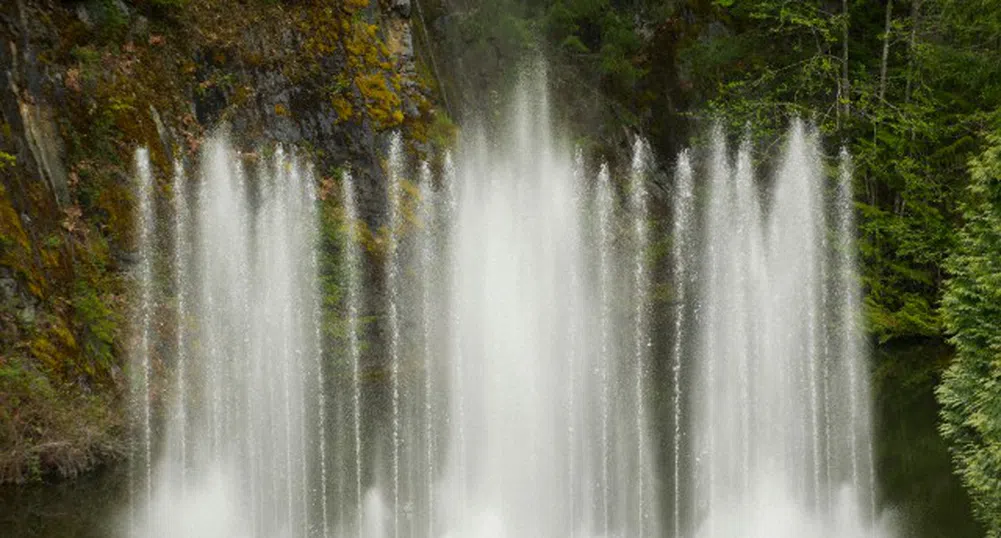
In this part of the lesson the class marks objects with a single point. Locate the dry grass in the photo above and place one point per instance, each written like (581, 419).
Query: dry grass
(51, 432)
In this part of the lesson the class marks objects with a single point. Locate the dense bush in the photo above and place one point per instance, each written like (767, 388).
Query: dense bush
(970, 393)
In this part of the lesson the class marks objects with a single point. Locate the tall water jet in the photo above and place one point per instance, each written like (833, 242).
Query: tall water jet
(315, 350)
(850, 336)
(352, 260)
(574, 358)
(683, 210)
(711, 287)
(515, 235)
(427, 248)
(393, 284)
(641, 297)
(140, 362)
(532, 389)
(457, 398)
(605, 206)
(182, 258)
(793, 235)
(254, 318)
(772, 399)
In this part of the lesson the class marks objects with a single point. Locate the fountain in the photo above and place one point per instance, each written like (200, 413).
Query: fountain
(538, 391)
(141, 473)
(178, 422)
(427, 248)
(520, 381)
(683, 210)
(780, 412)
(245, 395)
(641, 297)
(604, 201)
(393, 283)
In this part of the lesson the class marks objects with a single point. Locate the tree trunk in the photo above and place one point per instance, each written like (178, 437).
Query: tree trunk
(886, 50)
(915, 20)
(845, 88)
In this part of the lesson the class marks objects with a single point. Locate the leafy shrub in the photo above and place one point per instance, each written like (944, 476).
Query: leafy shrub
(970, 392)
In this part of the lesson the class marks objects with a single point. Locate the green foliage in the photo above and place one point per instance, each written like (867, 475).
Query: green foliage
(909, 136)
(778, 63)
(442, 132)
(87, 55)
(599, 39)
(970, 392)
(99, 326)
(111, 21)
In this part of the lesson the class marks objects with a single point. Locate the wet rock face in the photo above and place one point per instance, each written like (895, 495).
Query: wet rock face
(228, 80)
(42, 137)
(284, 106)
(297, 115)
(83, 84)
(27, 113)
(401, 42)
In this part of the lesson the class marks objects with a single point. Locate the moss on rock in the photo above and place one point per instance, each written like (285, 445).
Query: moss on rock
(159, 74)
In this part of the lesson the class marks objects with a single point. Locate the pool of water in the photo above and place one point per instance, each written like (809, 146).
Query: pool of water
(88, 507)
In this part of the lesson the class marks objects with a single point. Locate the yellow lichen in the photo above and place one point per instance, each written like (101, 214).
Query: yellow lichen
(343, 107)
(53, 345)
(381, 102)
(370, 89)
(46, 353)
(16, 251)
(352, 6)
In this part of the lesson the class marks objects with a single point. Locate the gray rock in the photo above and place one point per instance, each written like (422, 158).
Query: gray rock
(8, 289)
(122, 8)
(84, 16)
(42, 136)
(165, 137)
(140, 28)
(401, 7)
(26, 314)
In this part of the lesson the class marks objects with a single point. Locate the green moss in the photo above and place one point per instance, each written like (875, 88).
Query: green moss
(98, 328)
(53, 242)
(87, 55)
(111, 23)
(442, 132)
(17, 253)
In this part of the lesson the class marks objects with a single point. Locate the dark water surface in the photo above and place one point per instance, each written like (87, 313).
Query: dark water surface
(913, 466)
(88, 507)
